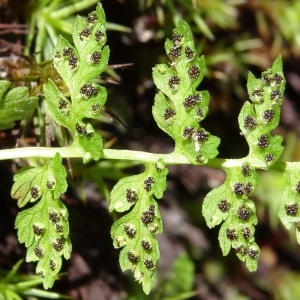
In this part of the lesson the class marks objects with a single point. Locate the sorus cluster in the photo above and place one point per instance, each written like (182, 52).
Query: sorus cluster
(130, 231)
(169, 113)
(131, 195)
(224, 205)
(291, 209)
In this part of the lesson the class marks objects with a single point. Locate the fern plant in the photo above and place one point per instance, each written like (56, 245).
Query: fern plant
(179, 108)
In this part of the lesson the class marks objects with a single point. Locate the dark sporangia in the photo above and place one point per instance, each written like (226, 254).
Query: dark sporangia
(246, 170)
(148, 183)
(176, 38)
(41, 274)
(73, 61)
(57, 54)
(148, 263)
(199, 159)
(152, 209)
(50, 184)
(200, 112)
(154, 229)
(249, 122)
(244, 212)
(34, 192)
(95, 108)
(38, 251)
(130, 231)
(266, 78)
(133, 258)
(269, 115)
(189, 53)
(85, 33)
(191, 101)
(147, 218)
(253, 253)
(194, 72)
(131, 195)
(239, 188)
(157, 168)
(242, 250)
(231, 234)
(37, 230)
(277, 78)
(201, 136)
(98, 35)
(291, 209)
(263, 141)
(58, 244)
(246, 232)
(95, 57)
(173, 80)
(224, 205)
(88, 90)
(81, 130)
(67, 51)
(91, 18)
(188, 132)
(62, 104)
(169, 113)
(257, 92)
(248, 188)
(174, 53)
(54, 217)
(59, 228)
(275, 95)
(269, 157)
(52, 265)
(298, 187)
(146, 245)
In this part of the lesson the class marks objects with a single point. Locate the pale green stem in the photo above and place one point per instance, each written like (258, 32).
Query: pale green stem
(169, 159)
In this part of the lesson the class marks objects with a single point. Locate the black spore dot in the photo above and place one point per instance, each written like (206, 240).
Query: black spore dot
(34, 191)
(73, 61)
(54, 217)
(176, 38)
(189, 53)
(50, 184)
(239, 188)
(88, 90)
(131, 195)
(174, 53)
(224, 205)
(67, 51)
(253, 253)
(92, 17)
(275, 95)
(169, 113)
(174, 80)
(84, 33)
(95, 57)
(146, 245)
(148, 263)
(269, 115)
(58, 245)
(231, 234)
(263, 141)
(291, 209)
(130, 231)
(148, 183)
(201, 136)
(59, 228)
(269, 157)
(188, 132)
(249, 122)
(38, 251)
(277, 78)
(52, 265)
(98, 35)
(248, 188)
(132, 257)
(194, 72)
(298, 187)
(38, 230)
(246, 232)
(242, 250)
(244, 212)
(246, 170)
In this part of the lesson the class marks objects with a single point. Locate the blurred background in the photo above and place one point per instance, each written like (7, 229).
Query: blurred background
(235, 36)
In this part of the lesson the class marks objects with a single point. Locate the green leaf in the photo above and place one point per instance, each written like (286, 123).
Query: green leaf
(230, 203)
(44, 227)
(136, 230)
(79, 65)
(289, 205)
(179, 108)
(14, 105)
(262, 114)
